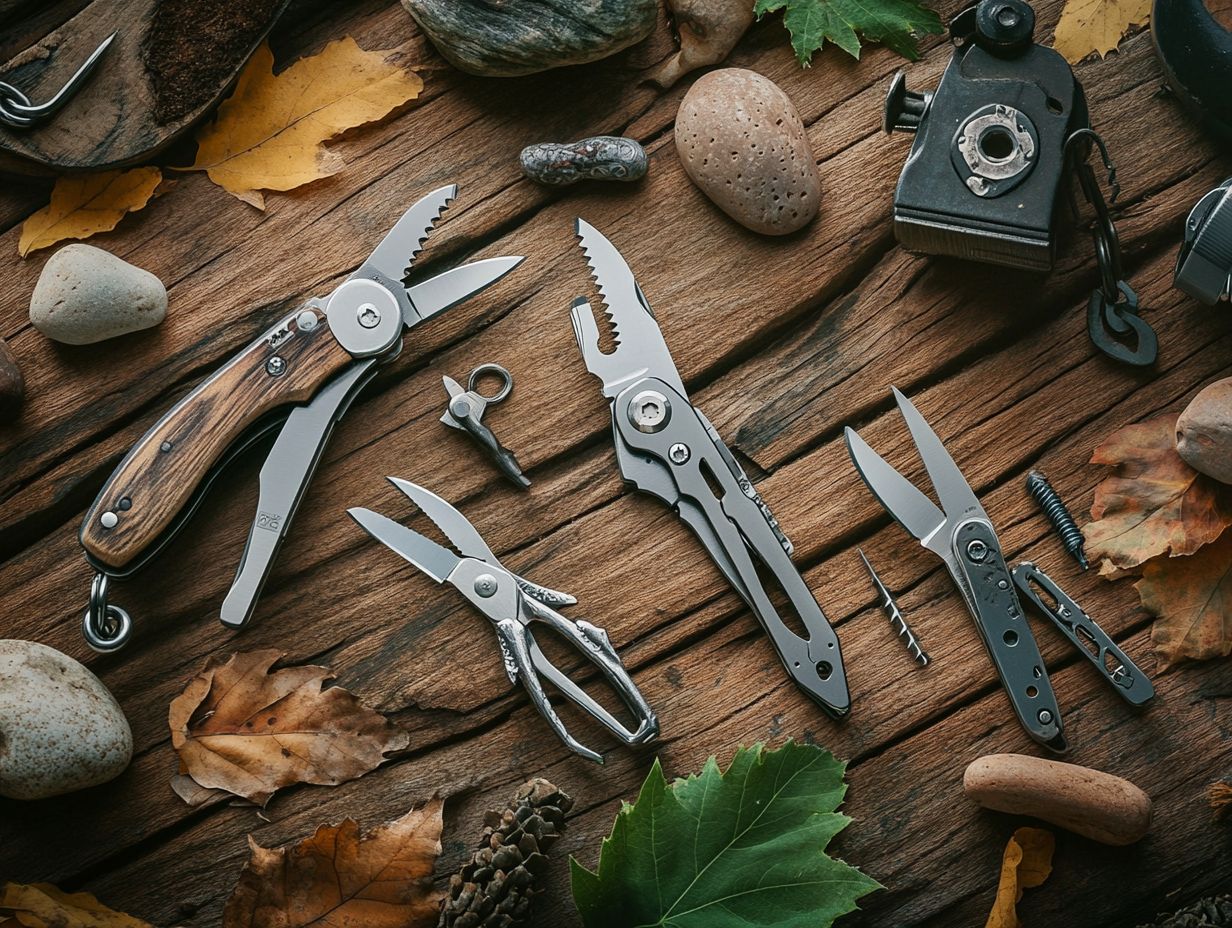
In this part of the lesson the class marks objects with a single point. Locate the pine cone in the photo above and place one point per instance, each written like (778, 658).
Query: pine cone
(1214, 912)
(495, 889)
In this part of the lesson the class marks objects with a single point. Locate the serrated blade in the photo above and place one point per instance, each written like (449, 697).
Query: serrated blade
(453, 524)
(640, 348)
(396, 253)
(433, 559)
(901, 498)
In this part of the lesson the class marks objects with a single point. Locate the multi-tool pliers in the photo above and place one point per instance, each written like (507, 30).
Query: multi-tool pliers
(512, 604)
(665, 447)
(303, 372)
(962, 535)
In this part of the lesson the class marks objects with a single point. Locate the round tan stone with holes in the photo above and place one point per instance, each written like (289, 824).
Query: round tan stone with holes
(60, 729)
(741, 141)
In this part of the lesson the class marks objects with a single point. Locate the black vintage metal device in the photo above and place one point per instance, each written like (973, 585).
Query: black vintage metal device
(995, 147)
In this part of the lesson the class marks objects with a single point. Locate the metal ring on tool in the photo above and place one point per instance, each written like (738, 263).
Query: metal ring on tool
(495, 369)
(105, 627)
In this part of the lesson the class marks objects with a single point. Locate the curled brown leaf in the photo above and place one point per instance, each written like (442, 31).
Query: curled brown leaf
(1191, 598)
(41, 905)
(240, 728)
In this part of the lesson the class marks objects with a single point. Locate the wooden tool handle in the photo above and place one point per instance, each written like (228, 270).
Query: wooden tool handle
(159, 475)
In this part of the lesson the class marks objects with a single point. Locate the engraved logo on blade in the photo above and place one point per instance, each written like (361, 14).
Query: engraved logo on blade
(269, 521)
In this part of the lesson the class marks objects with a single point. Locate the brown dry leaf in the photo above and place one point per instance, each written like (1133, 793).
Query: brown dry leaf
(41, 905)
(239, 728)
(1096, 26)
(269, 133)
(1026, 864)
(337, 877)
(86, 204)
(1191, 598)
(1154, 503)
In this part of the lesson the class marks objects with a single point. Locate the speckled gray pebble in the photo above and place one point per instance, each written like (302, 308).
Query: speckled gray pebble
(60, 729)
(741, 141)
(86, 295)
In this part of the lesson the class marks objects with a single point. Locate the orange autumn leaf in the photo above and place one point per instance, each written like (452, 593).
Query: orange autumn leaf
(1154, 503)
(240, 728)
(1091, 27)
(41, 905)
(83, 205)
(269, 134)
(337, 877)
(1191, 598)
(1026, 864)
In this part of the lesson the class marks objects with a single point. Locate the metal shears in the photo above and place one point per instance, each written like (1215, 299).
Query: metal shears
(962, 535)
(667, 448)
(513, 605)
(300, 376)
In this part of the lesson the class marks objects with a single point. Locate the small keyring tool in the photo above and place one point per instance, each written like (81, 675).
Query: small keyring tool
(465, 413)
(17, 111)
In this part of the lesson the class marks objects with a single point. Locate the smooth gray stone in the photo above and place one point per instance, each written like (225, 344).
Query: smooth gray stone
(508, 38)
(86, 295)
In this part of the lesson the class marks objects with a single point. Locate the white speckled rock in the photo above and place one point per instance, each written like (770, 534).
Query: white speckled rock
(85, 295)
(60, 729)
(742, 142)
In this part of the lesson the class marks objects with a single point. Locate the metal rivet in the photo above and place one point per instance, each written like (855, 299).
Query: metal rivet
(126, 504)
(108, 519)
(977, 550)
(276, 366)
(165, 447)
(485, 585)
(679, 452)
(1045, 717)
(367, 315)
(306, 321)
(649, 411)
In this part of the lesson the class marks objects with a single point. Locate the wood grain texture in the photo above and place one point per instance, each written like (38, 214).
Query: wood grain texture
(162, 472)
(781, 343)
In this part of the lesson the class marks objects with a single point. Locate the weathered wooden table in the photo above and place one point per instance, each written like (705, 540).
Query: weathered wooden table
(781, 342)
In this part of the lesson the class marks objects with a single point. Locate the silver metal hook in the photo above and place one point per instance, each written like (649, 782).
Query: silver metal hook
(18, 112)
(495, 370)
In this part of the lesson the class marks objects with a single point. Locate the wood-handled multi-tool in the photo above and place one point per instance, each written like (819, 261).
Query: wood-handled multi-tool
(513, 604)
(302, 374)
(665, 447)
(962, 535)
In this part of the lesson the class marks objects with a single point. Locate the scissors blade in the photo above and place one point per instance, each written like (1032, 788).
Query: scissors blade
(954, 493)
(447, 290)
(433, 559)
(901, 498)
(394, 256)
(452, 523)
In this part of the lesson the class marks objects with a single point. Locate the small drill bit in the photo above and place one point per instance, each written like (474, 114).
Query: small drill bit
(1071, 535)
(895, 615)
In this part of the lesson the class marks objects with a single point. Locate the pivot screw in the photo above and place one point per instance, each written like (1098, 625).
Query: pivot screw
(679, 452)
(650, 411)
(977, 551)
(368, 316)
(485, 585)
(1045, 717)
(108, 519)
(276, 366)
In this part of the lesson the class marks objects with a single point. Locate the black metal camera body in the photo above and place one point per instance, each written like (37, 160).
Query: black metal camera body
(986, 171)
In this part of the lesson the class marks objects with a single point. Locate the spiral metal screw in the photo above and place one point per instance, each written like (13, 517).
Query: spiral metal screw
(1071, 535)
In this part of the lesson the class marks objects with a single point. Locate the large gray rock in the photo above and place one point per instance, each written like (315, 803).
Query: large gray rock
(85, 295)
(741, 141)
(1204, 431)
(507, 38)
(60, 730)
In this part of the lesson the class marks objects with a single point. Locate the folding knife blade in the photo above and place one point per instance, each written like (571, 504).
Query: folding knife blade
(396, 253)
(912, 510)
(447, 290)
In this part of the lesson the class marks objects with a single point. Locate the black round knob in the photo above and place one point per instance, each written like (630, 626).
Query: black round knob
(1004, 27)
(904, 109)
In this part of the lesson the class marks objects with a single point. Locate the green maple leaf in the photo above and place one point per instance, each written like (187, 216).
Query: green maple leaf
(727, 850)
(894, 23)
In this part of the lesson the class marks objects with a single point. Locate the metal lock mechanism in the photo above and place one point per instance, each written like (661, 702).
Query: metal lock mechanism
(996, 145)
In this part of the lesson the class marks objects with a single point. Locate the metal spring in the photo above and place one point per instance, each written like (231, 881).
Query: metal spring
(1057, 513)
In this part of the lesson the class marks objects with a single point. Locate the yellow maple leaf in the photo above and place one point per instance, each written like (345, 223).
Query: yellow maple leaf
(1089, 26)
(41, 905)
(86, 204)
(269, 134)
(1026, 864)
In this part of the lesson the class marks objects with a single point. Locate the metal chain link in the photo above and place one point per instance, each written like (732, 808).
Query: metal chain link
(106, 627)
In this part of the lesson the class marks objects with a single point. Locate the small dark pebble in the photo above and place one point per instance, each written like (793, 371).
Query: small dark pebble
(12, 385)
(603, 157)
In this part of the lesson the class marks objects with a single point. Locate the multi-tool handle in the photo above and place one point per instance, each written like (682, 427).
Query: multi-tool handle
(985, 579)
(693, 471)
(159, 476)
(1092, 642)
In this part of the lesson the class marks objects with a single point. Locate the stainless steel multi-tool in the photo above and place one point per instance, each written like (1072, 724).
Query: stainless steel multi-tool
(665, 447)
(512, 604)
(962, 535)
(301, 375)
(466, 410)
